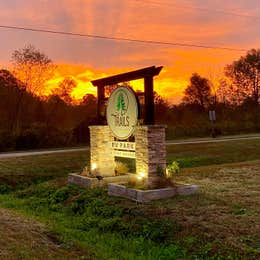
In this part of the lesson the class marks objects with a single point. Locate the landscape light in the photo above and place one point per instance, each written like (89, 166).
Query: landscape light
(93, 166)
(141, 175)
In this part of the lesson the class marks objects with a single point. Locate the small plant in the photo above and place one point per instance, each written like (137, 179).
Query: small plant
(163, 180)
(4, 188)
(121, 168)
(160, 171)
(172, 169)
(85, 171)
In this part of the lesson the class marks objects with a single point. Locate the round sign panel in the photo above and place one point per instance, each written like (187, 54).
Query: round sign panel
(122, 112)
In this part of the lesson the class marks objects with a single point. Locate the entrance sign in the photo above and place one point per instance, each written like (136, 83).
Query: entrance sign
(120, 121)
(146, 73)
(124, 154)
(122, 112)
(125, 146)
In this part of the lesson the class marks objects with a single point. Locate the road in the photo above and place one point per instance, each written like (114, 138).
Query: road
(20, 154)
(208, 140)
(175, 142)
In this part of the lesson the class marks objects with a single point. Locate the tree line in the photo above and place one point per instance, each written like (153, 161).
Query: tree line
(234, 98)
(31, 120)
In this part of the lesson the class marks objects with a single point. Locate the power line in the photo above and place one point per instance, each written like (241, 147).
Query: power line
(102, 37)
(203, 9)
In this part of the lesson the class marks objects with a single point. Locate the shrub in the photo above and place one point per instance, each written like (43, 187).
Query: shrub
(5, 188)
(28, 140)
(121, 168)
(7, 141)
(59, 196)
(172, 169)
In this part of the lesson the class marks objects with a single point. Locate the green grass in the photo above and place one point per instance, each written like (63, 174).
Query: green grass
(193, 155)
(105, 226)
(213, 224)
(23, 171)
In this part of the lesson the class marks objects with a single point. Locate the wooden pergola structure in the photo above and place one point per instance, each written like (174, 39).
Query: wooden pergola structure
(146, 73)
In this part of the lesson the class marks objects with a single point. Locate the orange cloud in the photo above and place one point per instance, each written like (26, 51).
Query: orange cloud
(85, 59)
(165, 85)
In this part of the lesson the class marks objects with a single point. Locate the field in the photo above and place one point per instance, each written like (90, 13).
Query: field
(40, 216)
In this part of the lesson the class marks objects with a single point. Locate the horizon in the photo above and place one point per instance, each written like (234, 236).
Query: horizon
(222, 24)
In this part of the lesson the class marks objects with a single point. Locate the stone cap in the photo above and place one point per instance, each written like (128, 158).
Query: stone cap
(152, 126)
(98, 126)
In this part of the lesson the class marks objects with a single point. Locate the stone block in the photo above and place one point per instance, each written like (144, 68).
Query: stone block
(92, 182)
(143, 196)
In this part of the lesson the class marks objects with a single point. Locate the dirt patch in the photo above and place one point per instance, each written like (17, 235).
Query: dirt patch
(23, 238)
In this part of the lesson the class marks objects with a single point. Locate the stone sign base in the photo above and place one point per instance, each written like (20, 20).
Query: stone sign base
(120, 190)
(91, 182)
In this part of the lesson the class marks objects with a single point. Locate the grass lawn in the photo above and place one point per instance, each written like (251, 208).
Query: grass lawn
(40, 216)
(192, 155)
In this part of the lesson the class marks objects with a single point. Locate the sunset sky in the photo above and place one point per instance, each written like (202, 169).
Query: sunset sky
(232, 24)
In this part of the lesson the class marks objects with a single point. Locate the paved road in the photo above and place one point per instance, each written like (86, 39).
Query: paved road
(20, 154)
(216, 140)
(183, 142)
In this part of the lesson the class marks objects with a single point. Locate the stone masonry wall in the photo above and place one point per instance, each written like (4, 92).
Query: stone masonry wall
(101, 151)
(150, 150)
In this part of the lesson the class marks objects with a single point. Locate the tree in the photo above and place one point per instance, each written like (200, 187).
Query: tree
(11, 90)
(65, 89)
(32, 67)
(198, 92)
(9, 93)
(228, 93)
(161, 108)
(245, 75)
(16, 115)
(89, 100)
(89, 106)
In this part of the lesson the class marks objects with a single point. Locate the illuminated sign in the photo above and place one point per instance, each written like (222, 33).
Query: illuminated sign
(122, 112)
(126, 146)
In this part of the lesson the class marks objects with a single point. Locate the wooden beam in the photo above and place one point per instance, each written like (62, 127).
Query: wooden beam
(146, 73)
(128, 76)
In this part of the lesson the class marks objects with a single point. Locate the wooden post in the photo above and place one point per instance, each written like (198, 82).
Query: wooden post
(101, 97)
(146, 73)
(149, 101)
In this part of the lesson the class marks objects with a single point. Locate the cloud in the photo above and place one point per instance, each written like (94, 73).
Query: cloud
(171, 21)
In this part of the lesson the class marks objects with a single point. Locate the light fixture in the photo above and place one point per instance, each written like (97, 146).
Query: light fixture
(141, 175)
(93, 166)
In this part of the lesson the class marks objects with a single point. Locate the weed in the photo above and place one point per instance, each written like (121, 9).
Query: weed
(160, 171)
(172, 169)
(121, 168)
(5, 188)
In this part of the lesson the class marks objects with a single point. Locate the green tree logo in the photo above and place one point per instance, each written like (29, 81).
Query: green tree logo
(121, 106)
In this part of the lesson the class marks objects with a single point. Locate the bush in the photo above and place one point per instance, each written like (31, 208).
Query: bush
(5, 188)
(41, 136)
(28, 140)
(121, 168)
(7, 141)
(172, 169)
(59, 196)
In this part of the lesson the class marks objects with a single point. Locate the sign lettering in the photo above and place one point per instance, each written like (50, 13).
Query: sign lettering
(122, 112)
(124, 154)
(126, 146)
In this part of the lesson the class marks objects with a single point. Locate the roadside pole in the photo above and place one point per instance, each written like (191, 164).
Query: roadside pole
(212, 118)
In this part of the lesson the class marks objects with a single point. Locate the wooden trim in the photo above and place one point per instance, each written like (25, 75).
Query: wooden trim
(124, 77)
